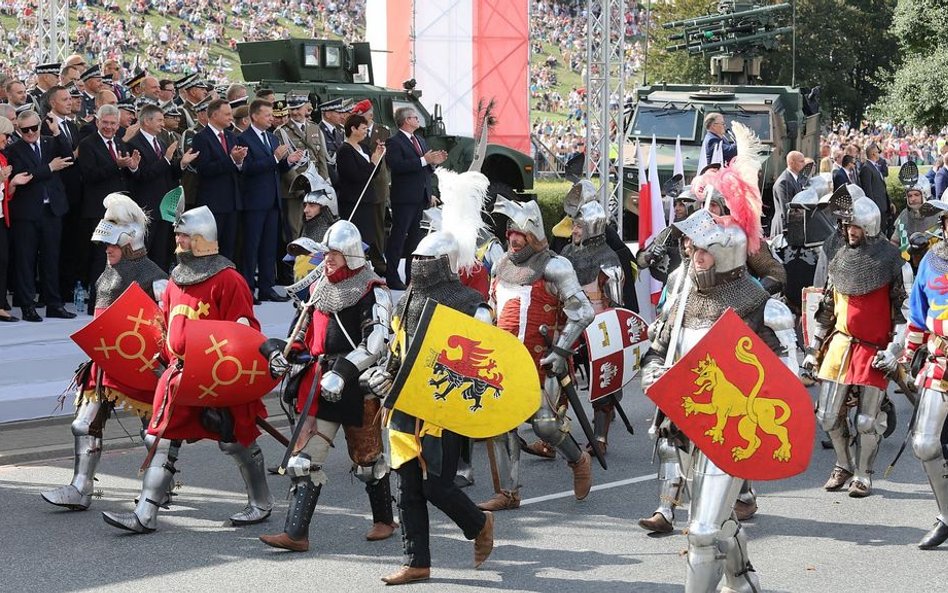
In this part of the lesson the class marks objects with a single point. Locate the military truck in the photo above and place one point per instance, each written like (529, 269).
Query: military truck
(785, 118)
(325, 69)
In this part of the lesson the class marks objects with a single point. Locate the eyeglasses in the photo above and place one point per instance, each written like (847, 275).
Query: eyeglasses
(29, 129)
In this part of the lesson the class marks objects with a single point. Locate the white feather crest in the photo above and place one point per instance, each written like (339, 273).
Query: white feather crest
(463, 196)
(121, 209)
(749, 158)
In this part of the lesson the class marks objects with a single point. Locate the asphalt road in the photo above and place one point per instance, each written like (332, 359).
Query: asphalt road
(802, 540)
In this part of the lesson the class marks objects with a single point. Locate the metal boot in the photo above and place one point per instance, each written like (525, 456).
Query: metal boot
(380, 499)
(77, 495)
(870, 425)
(252, 469)
(295, 536)
(739, 574)
(155, 486)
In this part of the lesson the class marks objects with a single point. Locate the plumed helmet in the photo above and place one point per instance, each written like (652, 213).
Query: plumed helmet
(344, 237)
(525, 217)
(124, 223)
(437, 244)
(593, 218)
(463, 196)
(199, 224)
(865, 214)
(727, 243)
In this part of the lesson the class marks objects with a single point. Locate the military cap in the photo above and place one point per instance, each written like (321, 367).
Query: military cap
(332, 104)
(203, 105)
(279, 108)
(50, 68)
(136, 80)
(73, 89)
(362, 107)
(238, 102)
(24, 107)
(142, 101)
(171, 110)
(92, 72)
(296, 101)
(184, 82)
(126, 106)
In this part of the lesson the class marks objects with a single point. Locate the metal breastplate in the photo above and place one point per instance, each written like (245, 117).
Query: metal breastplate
(116, 279)
(331, 297)
(194, 270)
(524, 267)
(433, 279)
(316, 228)
(860, 270)
(590, 257)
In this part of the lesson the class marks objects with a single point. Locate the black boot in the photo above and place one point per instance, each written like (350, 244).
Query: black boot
(295, 536)
(380, 499)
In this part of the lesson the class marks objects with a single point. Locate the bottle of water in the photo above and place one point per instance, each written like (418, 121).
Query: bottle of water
(79, 298)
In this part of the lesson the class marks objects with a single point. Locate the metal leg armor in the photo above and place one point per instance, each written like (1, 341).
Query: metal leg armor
(829, 414)
(155, 486)
(550, 428)
(603, 415)
(505, 461)
(87, 431)
(670, 477)
(932, 452)
(252, 469)
(304, 495)
(713, 545)
(870, 425)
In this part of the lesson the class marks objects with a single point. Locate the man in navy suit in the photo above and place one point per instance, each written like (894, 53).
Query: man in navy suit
(411, 163)
(716, 133)
(218, 168)
(846, 173)
(36, 212)
(266, 160)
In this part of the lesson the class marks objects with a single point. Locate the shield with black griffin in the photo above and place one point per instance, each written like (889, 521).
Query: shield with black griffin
(740, 405)
(124, 339)
(222, 365)
(616, 341)
(465, 375)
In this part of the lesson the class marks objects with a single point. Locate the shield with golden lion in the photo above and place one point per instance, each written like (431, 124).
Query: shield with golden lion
(737, 401)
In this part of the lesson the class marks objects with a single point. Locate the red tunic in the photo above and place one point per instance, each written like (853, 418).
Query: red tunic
(863, 327)
(521, 310)
(225, 297)
(477, 278)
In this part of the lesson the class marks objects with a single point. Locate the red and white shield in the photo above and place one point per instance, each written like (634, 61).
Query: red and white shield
(739, 404)
(124, 339)
(616, 341)
(223, 365)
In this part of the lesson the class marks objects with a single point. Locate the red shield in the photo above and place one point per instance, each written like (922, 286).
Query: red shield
(222, 365)
(124, 339)
(735, 399)
(616, 341)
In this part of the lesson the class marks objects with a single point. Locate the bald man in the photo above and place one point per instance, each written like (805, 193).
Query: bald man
(788, 184)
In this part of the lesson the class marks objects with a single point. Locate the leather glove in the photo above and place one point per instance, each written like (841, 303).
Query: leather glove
(885, 361)
(380, 382)
(331, 386)
(556, 362)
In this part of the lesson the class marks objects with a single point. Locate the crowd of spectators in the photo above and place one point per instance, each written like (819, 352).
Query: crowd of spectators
(897, 144)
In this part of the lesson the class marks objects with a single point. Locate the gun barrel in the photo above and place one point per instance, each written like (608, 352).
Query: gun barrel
(704, 47)
(695, 22)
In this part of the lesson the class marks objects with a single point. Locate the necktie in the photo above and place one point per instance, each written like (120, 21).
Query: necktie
(414, 141)
(223, 141)
(39, 155)
(266, 141)
(65, 128)
(157, 147)
(112, 151)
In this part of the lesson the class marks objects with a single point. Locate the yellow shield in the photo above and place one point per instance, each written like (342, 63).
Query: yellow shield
(465, 376)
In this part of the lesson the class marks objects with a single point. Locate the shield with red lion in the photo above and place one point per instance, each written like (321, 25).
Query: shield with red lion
(222, 365)
(124, 339)
(740, 405)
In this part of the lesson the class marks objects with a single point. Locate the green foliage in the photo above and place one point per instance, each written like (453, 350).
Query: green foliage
(896, 189)
(676, 66)
(550, 194)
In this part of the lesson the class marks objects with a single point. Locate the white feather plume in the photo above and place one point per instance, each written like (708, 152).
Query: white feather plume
(749, 153)
(121, 209)
(463, 196)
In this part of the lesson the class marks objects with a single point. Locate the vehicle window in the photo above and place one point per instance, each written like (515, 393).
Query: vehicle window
(758, 121)
(397, 104)
(667, 123)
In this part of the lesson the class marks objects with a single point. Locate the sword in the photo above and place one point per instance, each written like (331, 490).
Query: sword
(625, 419)
(569, 388)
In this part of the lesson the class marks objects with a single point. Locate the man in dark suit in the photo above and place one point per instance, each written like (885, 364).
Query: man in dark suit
(60, 110)
(158, 173)
(333, 114)
(106, 164)
(411, 163)
(36, 213)
(266, 160)
(870, 178)
(788, 183)
(716, 133)
(218, 173)
(846, 173)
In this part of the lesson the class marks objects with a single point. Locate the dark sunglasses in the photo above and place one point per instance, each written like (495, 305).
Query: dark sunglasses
(29, 129)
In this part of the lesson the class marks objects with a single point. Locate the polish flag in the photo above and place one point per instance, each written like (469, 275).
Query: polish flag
(651, 214)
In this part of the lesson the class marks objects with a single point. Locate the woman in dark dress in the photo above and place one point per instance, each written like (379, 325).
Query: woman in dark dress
(355, 169)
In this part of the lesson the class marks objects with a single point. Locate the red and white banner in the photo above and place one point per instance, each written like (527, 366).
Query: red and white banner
(460, 52)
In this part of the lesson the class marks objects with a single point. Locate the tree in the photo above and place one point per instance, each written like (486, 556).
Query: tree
(916, 93)
(678, 66)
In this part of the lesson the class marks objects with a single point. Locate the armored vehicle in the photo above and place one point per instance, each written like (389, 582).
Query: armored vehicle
(325, 69)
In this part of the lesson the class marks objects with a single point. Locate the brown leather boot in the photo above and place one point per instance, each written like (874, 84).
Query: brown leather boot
(657, 523)
(285, 542)
(540, 449)
(582, 476)
(408, 574)
(484, 542)
(502, 501)
(381, 531)
(745, 510)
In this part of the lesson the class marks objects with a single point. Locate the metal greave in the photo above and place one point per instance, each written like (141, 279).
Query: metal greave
(550, 428)
(155, 484)
(670, 478)
(507, 454)
(928, 447)
(829, 414)
(250, 462)
(870, 425)
(300, 513)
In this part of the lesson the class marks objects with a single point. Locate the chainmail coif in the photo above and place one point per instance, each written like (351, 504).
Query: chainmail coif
(332, 297)
(192, 269)
(590, 257)
(433, 279)
(115, 279)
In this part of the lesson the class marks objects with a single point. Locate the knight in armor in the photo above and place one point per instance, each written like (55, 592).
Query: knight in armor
(663, 255)
(122, 232)
(204, 285)
(426, 456)
(350, 309)
(716, 280)
(859, 330)
(600, 274)
(533, 287)
(913, 230)
(926, 329)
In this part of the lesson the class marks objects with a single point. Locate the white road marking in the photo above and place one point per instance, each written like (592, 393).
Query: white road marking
(595, 488)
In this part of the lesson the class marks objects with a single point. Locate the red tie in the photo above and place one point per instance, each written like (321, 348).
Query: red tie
(112, 151)
(223, 141)
(414, 140)
(157, 147)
